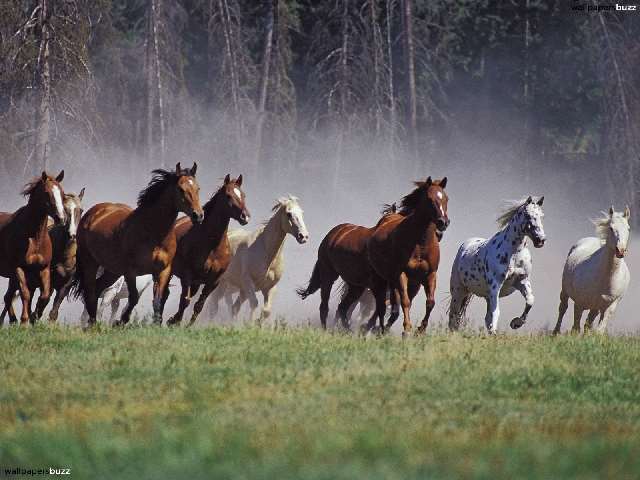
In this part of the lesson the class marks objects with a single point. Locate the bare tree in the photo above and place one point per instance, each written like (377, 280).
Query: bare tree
(410, 75)
(43, 82)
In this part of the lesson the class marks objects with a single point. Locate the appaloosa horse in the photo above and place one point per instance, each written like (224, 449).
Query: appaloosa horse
(203, 253)
(25, 246)
(132, 242)
(404, 251)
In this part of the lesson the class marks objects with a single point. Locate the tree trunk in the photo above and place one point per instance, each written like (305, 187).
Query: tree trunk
(375, 42)
(43, 113)
(233, 72)
(155, 7)
(390, 86)
(343, 82)
(272, 6)
(150, 90)
(410, 72)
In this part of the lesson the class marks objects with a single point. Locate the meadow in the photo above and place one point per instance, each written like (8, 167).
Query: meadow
(144, 402)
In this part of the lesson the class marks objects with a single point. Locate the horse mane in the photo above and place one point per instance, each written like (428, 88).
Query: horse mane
(159, 182)
(31, 186)
(212, 200)
(509, 211)
(282, 201)
(409, 202)
(389, 208)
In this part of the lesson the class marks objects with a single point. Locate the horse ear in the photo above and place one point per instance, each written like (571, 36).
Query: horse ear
(529, 200)
(239, 181)
(428, 182)
(627, 212)
(44, 176)
(539, 202)
(60, 176)
(178, 168)
(443, 182)
(194, 169)
(227, 179)
(81, 194)
(611, 211)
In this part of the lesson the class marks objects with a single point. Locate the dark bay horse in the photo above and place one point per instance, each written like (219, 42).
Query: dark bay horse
(63, 254)
(132, 242)
(25, 245)
(404, 251)
(203, 253)
(342, 253)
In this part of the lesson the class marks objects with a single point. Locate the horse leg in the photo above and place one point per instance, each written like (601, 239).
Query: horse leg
(115, 305)
(591, 316)
(25, 295)
(493, 312)
(379, 289)
(429, 285)
(562, 308)
(524, 287)
(237, 305)
(185, 300)
(88, 273)
(577, 315)
(206, 291)
(8, 301)
(45, 293)
(165, 297)
(130, 279)
(214, 300)
(394, 300)
(161, 283)
(405, 303)
(57, 301)
(606, 315)
(267, 296)
(352, 294)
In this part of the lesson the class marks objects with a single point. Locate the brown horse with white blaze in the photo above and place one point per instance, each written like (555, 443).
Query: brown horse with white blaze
(203, 253)
(25, 246)
(404, 251)
(132, 242)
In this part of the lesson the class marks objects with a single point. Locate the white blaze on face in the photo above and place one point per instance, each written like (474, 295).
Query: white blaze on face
(238, 193)
(57, 197)
(439, 195)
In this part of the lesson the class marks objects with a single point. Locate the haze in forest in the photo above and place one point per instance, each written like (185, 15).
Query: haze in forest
(342, 103)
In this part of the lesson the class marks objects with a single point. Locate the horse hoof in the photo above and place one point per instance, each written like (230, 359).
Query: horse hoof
(516, 323)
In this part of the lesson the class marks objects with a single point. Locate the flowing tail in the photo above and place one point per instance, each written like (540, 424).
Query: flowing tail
(76, 287)
(314, 283)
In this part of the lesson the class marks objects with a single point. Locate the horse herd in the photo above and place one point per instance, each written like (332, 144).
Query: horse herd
(107, 250)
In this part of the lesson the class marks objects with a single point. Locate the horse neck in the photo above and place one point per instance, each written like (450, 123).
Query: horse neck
(414, 227)
(160, 217)
(272, 236)
(36, 215)
(511, 239)
(215, 224)
(608, 262)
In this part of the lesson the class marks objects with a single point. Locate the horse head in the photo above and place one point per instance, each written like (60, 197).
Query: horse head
(532, 220)
(235, 199)
(617, 231)
(436, 201)
(73, 211)
(47, 192)
(188, 193)
(292, 218)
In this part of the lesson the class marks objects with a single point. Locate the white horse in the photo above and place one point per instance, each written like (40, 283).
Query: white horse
(595, 275)
(498, 266)
(258, 261)
(114, 294)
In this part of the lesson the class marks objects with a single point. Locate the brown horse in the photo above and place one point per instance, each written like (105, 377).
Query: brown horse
(63, 255)
(25, 246)
(404, 251)
(203, 253)
(343, 253)
(132, 242)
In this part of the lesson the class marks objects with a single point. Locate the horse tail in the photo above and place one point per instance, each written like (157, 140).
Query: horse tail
(314, 283)
(76, 287)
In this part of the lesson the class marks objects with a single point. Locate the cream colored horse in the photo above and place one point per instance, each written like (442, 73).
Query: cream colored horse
(595, 274)
(258, 261)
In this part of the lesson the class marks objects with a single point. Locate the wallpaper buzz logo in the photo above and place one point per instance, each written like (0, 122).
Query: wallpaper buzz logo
(581, 7)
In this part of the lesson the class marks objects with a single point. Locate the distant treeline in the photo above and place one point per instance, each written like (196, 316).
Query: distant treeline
(275, 85)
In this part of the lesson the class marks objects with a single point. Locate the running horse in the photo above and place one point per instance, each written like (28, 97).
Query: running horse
(404, 252)
(25, 246)
(203, 253)
(132, 242)
(63, 255)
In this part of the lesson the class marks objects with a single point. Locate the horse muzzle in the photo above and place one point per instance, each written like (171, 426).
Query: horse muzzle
(197, 217)
(539, 242)
(244, 218)
(442, 223)
(621, 252)
(302, 237)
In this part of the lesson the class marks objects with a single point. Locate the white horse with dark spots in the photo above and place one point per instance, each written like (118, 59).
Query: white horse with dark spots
(257, 264)
(498, 266)
(595, 274)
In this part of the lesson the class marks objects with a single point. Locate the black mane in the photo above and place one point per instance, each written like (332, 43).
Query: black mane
(31, 186)
(159, 182)
(211, 202)
(409, 202)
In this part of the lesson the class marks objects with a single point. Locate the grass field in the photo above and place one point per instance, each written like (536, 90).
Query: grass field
(247, 403)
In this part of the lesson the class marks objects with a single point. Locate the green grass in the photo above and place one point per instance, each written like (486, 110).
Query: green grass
(247, 403)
